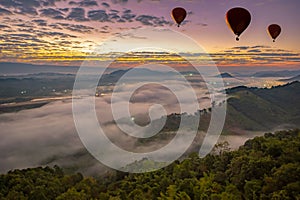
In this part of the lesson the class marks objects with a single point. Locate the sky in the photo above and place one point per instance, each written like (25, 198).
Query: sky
(66, 32)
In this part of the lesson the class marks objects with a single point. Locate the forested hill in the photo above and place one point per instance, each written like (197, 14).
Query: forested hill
(266, 167)
(262, 108)
(254, 109)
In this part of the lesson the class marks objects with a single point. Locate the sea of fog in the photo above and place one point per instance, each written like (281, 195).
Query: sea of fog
(47, 135)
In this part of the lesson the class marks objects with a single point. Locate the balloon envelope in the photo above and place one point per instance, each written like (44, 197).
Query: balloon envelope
(178, 15)
(274, 30)
(238, 19)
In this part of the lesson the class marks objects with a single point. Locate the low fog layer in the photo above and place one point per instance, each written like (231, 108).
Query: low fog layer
(47, 135)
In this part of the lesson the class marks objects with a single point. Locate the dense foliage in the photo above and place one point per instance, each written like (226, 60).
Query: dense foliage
(265, 167)
(276, 106)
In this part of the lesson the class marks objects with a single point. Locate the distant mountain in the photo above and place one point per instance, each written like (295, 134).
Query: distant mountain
(48, 74)
(141, 72)
(134, 73)
(263, 109)
(295, 78)
(48, 83)
(34, 85)
(224, 75)
(283, 73)
(23, 68)
(120, 72)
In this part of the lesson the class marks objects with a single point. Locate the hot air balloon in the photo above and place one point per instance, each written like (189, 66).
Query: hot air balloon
(238, 19)
(178, 15)
(274, 30)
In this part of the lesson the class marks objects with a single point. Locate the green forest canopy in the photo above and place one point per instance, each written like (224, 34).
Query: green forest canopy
(265, 167)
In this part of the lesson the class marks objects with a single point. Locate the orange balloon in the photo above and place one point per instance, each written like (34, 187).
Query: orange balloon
(178, 15)
(274, 30)
(238, 19)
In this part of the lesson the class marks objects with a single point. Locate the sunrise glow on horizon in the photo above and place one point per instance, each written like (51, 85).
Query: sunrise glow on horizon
(66, 32)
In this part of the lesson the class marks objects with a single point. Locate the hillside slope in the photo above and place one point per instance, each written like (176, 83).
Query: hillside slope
(264, 109)
(263, 168)
(253, 109)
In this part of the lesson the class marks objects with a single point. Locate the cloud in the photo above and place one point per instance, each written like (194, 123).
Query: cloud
(55, 34)
(84, 3)
(260, 46)
(126, 1)
(23, 36)
(286, 54)
(45, 135)
(52, 13)
(149, 20)
(49, 2)
(256, 55)
(24, 10)
(77, 28)
(114, 11)
(4, 12)
(127, 11)
(145, 19)
(25, 143)
(139, 1)
(31, 40)
(105, 29)
(254, 51)
(55, 26)
(119, 1)
(241, 47)
(64, 9)
(202, 24)
(235, 141)
(10, 3)
(27, 3)
(3, 26)
(105, 5)
(24, 24)
(113, 16)
(77, 14)
(73, 3)
(98, 15)
(128, 16)
(28, 7)
(40, 22)
(31, 3)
